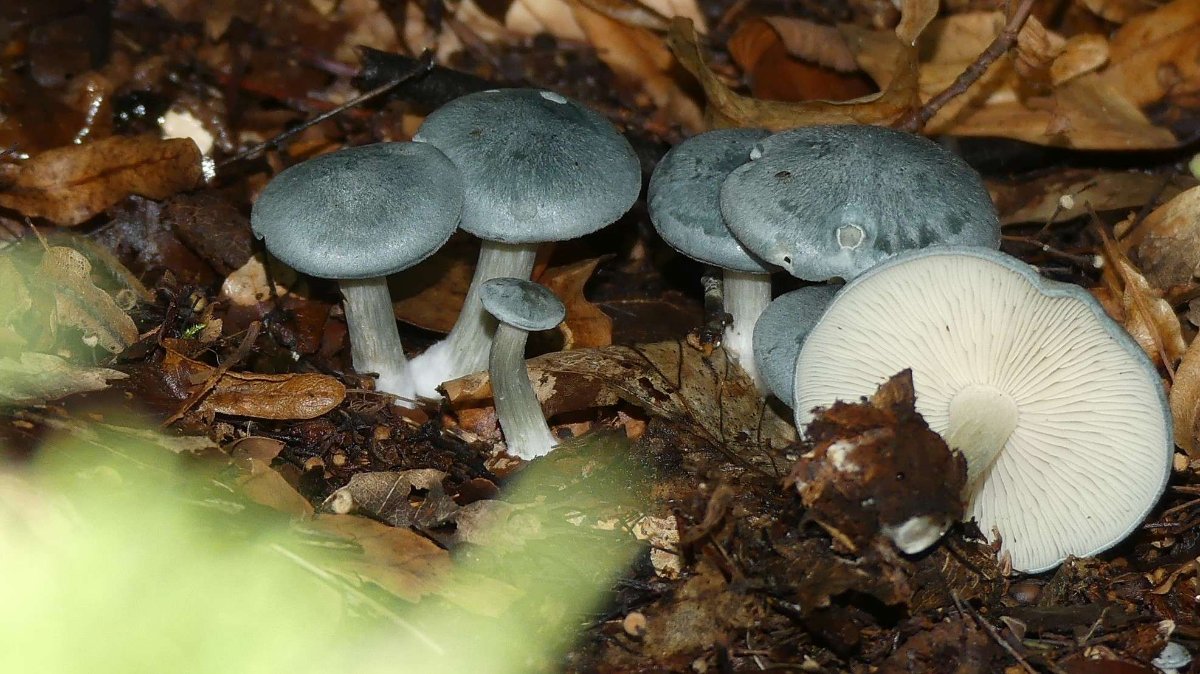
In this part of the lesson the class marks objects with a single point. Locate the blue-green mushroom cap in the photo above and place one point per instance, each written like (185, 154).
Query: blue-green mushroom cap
(684, 198)
(361, 212)
(833, 201)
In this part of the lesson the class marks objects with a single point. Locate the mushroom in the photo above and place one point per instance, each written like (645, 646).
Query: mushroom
(357, 215)
(781, 330)
(1060, 415)
(683, 203)
(520, 306)
(536, 167)
(832, 201)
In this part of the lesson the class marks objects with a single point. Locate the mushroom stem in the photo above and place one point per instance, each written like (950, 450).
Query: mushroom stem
(525, 429)
(465, 349)
(981, 419)
(746, 296)
(374, 339)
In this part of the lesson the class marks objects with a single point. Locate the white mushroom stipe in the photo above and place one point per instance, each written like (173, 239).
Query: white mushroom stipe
(374, 338)
(525, 429)
(746, 296)
(465, 349)
(519, 306)
(916, 534)
(980, 421)
(1060, 414)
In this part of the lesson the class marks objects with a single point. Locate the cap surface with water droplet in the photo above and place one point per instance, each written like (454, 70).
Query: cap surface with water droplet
(832, 201)
(537, 166)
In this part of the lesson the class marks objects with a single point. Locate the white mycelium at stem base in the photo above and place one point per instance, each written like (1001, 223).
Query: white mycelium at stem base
(374, 338)
(465, 349)
(525, 430)
(1060, 415)
(746, 296)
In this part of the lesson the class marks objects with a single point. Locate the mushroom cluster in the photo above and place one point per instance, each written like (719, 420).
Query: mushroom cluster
(1060, 416)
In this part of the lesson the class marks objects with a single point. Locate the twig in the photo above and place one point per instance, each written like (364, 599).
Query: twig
(916, 119)
(965, 609)
(422, 66)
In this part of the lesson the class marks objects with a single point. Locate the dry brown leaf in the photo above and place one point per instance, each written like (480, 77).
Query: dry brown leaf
(391, 497)
(775, 73)
(36, 378)
(275, 396)
(727, 108)
(1116, 11)
(1185, 400)
(431, 294)
(1039, 199)
(712, 396)
(69, 185)
(586, 326)
(1157, 54)
(1148, 318)
(265, 486)
(915, 16)
(1037, 48)
(260, 396)
(404, 563)
(1168, 240)
(1084, 53)
(804, 39)
(78, 303)
(639, 56)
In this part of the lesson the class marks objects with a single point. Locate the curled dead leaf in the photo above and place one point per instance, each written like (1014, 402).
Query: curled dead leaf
(1148, 318)
(260, 396)
(69, 185)
(1185, 401)
(35, 378)
(78, 303)
(1168, 240)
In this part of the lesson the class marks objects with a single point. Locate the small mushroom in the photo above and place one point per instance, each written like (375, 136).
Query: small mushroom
(832, 201)
(537, 167)
(683, 203)
(781, 331)
(357, 215)
(520, 306)
(1059, 413)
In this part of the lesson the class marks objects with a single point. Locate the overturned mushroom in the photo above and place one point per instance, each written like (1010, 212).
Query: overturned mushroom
(1059, 413)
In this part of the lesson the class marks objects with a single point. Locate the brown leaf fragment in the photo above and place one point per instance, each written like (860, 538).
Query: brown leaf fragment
(876, 469)
(1147, 317)
(265, 486)
(729, 109)
(1168, 241)
(78, 303)
(1042, 198)
(1185, 401)
(1116, 11)
(404, 563)
(818, 43)
(275, 396)
(402, 499)
(1082, 54)
(586, 326)
(69, 185)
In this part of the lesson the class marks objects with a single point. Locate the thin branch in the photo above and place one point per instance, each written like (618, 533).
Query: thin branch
(422, 66)
(916, 119)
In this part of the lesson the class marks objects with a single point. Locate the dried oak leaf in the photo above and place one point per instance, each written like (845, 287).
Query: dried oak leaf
(260, 396)
(1156, 54)
(778, 70)
(1147, 317)
(35, 378)
(404, 563)
(727, 108)
(711, 395)
(402, 499)
(1185, 401)
(69, 185)
(585, 326)
(1168, 240)
(78, 303)
(1040, 199)
(264, 485)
